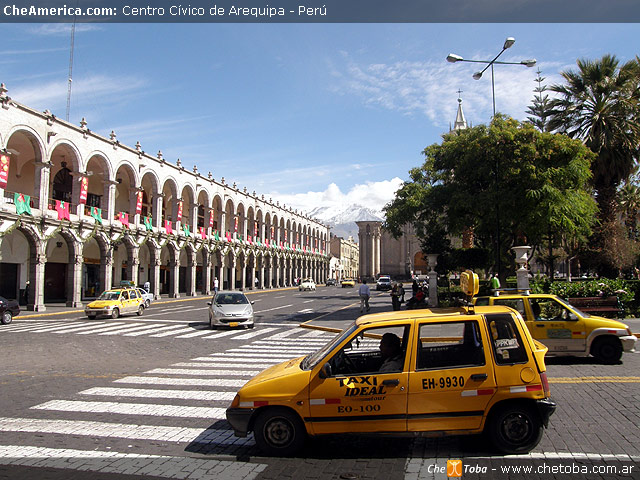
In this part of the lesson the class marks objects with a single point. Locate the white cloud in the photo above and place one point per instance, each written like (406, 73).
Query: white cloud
(53, 94)
(374, 195)
(429, 88)
(63, 28)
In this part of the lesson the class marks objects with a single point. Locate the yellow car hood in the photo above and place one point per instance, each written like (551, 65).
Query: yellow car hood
(102, 304)
(594, 321)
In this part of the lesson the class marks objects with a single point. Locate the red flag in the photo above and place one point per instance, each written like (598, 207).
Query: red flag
(168, 227)
(124, 219)
(203, 233)
(179, 211)
(272, 232)
(235, 224)
(4, 170)
(139, 203)
(63, 210)
(255, 229)
(249, 240)
(228, 235)
(84, 188)
(211, 218)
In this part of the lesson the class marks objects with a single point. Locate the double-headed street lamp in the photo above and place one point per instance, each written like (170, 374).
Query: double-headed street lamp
(453, 58)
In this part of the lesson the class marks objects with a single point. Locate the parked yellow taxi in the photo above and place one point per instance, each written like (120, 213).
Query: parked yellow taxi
(565, 329)
(116, 302)
(422, 372)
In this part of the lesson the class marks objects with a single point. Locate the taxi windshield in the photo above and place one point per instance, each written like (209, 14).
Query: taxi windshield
(109, 296)
(575, 309)
(314, 358)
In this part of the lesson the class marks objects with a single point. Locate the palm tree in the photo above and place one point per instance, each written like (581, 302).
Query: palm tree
(600, 105)
(629, 202)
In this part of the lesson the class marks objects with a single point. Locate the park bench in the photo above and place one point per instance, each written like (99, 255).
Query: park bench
(604, 305)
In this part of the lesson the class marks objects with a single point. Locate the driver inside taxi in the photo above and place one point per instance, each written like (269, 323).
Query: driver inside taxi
(391, 352)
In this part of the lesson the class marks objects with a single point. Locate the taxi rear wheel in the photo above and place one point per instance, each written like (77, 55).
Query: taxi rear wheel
(140, 310)
(515, 429)
(607, 350)
(279, 432)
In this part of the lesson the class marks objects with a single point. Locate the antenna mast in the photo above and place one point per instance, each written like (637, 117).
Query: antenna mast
(73, 34)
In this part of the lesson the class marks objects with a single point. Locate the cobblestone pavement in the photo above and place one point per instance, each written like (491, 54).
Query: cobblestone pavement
(72, 411)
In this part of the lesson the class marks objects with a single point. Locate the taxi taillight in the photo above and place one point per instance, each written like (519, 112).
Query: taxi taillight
(545, 384)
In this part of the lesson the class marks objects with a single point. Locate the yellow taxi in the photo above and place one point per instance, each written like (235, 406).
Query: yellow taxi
(427, 372)
(348, 282)
(116, 302)
(565, 329)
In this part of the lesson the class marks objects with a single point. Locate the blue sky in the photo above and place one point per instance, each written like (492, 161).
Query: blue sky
(305, 113)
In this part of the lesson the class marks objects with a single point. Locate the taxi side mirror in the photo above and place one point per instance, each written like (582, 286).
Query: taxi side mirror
(209, 303)
(325, 371)
(252, 302)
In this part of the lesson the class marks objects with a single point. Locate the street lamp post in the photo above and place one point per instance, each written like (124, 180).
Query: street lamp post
(508, 43)
(453, 58)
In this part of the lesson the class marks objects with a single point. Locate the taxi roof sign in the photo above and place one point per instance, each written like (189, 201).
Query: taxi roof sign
(469, 283)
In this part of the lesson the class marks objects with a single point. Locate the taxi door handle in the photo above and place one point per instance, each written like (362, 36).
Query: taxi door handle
(395, 382)
(539, 324)
(479, 376)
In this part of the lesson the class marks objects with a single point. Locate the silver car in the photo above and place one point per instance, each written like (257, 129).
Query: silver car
(230, 309)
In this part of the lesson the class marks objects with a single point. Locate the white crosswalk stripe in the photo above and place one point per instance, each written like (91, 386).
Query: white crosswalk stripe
(199, 390)
(155, 410)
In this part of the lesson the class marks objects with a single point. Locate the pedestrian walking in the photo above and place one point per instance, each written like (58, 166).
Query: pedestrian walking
(495, 283)
(216, 284)
(364, 293)
(147, 286)
(395, 296)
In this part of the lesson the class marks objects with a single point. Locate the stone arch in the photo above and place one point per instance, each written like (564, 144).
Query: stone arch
(229, 214)
(98, 171)
(202, 220)
(169, 199)
(125, 189)
(218, 213)
(65, 163)
(25, 149)
(187, 195)
(150, 185)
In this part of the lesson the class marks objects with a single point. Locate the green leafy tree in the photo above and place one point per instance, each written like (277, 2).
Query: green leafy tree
(508, 174)
(600, 105)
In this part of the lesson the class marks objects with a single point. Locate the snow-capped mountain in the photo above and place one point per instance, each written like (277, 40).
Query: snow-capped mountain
(342, 218)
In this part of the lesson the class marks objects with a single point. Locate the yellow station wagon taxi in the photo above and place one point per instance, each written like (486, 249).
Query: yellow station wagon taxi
(424, 372)
(116, 302)
(565, 329)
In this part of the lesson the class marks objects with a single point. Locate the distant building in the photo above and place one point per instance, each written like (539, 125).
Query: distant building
(348, 254)
(380, 253)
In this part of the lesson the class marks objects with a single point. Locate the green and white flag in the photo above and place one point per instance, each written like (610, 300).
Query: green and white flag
(22, 203)
(147, 222)
(97, 214)
(185, 228)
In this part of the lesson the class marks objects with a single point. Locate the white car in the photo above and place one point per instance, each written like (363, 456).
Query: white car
(307, 284)
(230, 309)
(148, 297)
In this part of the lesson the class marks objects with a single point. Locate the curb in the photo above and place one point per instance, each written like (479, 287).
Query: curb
(157, 302)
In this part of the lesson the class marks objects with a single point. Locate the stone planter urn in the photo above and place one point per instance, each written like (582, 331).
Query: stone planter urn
(432, 260)
(522, 255)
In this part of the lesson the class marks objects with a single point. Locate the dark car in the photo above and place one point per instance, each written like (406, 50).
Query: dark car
(8, 310)
(331, 282)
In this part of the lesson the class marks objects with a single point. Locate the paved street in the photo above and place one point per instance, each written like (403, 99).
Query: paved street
(145, 397)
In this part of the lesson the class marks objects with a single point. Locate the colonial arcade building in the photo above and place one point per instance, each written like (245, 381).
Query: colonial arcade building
(79, 213)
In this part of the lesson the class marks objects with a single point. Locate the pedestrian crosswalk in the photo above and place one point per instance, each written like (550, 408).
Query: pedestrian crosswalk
(182, 403)
(135, 328)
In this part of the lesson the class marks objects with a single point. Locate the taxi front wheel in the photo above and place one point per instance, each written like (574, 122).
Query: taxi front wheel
(279, 432)
(515, 429)
(115, 313)
(607, 349)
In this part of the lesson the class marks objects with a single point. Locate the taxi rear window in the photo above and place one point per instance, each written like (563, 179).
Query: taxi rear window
(505, 339)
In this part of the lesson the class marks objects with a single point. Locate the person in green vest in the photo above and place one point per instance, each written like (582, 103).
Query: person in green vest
(495, 283)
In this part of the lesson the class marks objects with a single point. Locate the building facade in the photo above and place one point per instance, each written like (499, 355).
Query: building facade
(79, 213)
(348, 254)
(401, 257)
